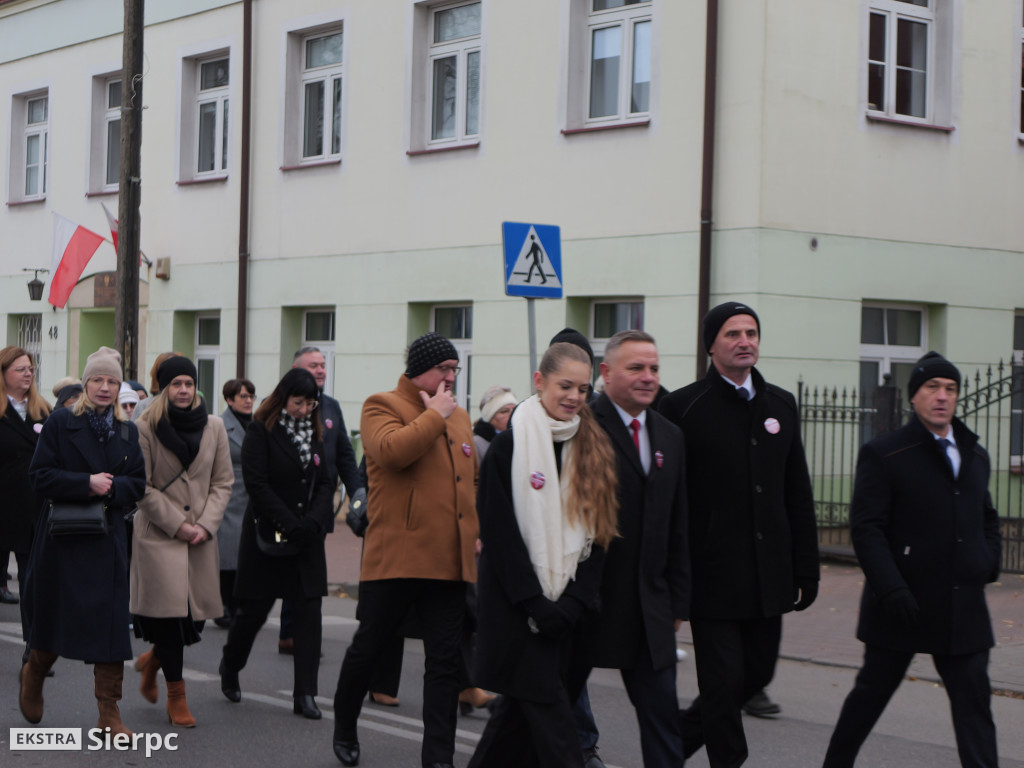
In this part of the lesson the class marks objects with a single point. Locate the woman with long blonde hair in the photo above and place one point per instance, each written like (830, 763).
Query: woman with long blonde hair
(548, 511)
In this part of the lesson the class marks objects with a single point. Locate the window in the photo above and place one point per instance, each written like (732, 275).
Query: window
(321, 96)
(446, 83)
(455, 323)
(1020, 127)
(318, 331)
(30, 338)
(208, 355)
(105, 141)
(204, 117)
(1016, 396)
(619, 34)
(608, 317)
(30, 133)
(112, 118)
(892, 339)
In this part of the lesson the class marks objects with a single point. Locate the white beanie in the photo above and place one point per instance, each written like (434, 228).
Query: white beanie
(127, 394)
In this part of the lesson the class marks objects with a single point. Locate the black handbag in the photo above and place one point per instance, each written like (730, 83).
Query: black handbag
(77, 518)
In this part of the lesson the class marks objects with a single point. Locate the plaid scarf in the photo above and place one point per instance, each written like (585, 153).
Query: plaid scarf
(301, 433)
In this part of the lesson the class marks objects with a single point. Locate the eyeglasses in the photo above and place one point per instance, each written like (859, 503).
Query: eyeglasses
(446, 369)
(244, 396)
(311, 404)
(24, 369)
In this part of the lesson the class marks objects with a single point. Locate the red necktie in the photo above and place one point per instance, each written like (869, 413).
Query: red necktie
(635, 426)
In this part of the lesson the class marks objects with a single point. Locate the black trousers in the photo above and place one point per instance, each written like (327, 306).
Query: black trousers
(383, 605)
(735, 660)
(967, 685)
(251, 615)
(527, 734)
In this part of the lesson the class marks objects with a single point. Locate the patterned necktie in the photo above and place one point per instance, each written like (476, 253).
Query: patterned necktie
(635, 426)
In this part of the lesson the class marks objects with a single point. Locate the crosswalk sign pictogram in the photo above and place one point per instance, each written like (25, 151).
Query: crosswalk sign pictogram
(533, 260)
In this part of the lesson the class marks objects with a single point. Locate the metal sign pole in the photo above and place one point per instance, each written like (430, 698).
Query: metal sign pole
(531, 321)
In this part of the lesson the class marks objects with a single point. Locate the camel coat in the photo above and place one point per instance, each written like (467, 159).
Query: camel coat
(167, 574)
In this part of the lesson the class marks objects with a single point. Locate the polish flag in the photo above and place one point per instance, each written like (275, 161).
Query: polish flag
(113, 224)
(73, 246)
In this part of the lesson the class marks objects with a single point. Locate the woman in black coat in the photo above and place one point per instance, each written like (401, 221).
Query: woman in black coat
(290, 492)
(77, 585)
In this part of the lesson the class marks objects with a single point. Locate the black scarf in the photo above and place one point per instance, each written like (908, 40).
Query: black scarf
(182, 430)
(245, 419)
(485, 430)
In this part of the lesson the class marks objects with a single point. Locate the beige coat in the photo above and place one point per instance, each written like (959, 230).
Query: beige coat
(422, 470)
(167, 574)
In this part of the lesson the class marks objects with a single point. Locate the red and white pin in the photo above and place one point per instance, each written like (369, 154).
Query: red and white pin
(771, 426)
(37, 428)
(316, 459)
(537, 480)
(466, 449)
(329, 423)
(659, 459)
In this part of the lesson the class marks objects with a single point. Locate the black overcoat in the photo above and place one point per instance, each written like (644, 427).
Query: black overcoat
(646, 580)
(753, 536)
(19, 507)
(279, 487)
(341, 458)
(511, 659)
(916, 526)
(78, 585)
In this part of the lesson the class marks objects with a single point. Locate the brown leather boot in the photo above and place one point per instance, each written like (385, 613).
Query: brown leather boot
(177, 707)
(33, 673)
(108, 678)
(148, 664)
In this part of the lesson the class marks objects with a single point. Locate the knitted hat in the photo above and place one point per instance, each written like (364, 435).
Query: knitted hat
(103, 362)
(716, 317)
(428, 350)
(71, 390)
(932, 365)
(572, 336)
(136, 385)
(127, 394)
(67, 381)
(172, 368)
(494, 399)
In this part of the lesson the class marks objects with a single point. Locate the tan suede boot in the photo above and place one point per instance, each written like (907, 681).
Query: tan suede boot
(177, 707)
(33, 673)
(108, 679)
(148, 664)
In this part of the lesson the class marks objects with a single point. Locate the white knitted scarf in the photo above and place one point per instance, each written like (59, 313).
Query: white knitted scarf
(555, 546)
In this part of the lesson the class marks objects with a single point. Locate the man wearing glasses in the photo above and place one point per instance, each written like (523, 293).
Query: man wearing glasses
(418, 551)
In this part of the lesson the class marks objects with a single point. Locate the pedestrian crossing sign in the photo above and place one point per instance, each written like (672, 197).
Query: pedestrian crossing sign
(533, 260)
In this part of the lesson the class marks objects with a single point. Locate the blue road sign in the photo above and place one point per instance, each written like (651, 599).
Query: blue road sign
(533, 260)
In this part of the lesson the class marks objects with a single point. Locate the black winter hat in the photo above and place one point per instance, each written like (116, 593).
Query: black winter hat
(172, 367)
(428, 350)
(572, 336)
(716, 317)
(932, 365)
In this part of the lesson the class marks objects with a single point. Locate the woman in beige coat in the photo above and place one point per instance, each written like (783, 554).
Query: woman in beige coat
(175, 568)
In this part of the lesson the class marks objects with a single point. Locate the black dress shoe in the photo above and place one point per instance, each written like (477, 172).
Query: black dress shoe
(8, 597)
(440, 765)
(229, 683)
(591, 759)
(306, 706)
(347, 751)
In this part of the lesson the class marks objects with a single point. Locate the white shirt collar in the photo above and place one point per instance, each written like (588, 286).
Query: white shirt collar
(626, 418)
(747, 385)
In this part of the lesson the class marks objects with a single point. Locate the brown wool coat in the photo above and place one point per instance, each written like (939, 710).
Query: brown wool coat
(167, 574)
(422, 472)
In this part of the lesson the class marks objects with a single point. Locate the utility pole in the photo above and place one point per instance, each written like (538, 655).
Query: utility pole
(126, 311)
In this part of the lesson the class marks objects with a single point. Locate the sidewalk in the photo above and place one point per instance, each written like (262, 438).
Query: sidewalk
(823, 634)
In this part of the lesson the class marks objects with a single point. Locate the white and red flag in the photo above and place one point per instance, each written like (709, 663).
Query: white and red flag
(73, 246)
(113, 225)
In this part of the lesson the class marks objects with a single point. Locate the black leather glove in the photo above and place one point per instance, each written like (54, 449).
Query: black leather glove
(356, 518)
(551, 620)
(571, 607)
(804, 593)
(901, 606)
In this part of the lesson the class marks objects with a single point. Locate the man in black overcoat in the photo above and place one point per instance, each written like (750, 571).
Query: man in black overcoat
(645, 588)
(753, 539)
(927, 537)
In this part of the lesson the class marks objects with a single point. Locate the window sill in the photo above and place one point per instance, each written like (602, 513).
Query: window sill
(608, 127)
(210, 180)
(33, 201)
(436, 150)
(910, 123)
(104, 193)
(316, 164)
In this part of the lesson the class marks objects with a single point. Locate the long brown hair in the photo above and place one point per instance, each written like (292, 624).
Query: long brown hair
(38, 408)
(297, 382)
(594, 484)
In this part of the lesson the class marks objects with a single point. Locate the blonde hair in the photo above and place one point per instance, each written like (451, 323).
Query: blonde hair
(157, 410)
(38, 408)
(593, 487)
(85, 402)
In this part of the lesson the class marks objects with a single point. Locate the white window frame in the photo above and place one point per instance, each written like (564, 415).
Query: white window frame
(893, 11)
(327, 75)
(887, 354)
(1016, 414)
(1020, 81)
(464, 346)
(326, 346)
(211, 352)
(22, 131)
(99, 144)
(625, 19)
(190, 99)
(425, 53)
(598, 343)
(219, 96)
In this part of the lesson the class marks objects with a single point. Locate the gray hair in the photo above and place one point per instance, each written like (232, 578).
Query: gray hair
(305, 351)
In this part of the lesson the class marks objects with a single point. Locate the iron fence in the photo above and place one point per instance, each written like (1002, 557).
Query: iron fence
(837, 421)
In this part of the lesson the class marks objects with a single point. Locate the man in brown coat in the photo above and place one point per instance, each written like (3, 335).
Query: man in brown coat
(419, 547)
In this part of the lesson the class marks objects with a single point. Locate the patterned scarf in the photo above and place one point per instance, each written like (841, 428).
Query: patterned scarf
(301, 433)
(101, 424)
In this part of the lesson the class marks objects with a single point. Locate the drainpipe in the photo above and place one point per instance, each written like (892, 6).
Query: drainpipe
(243, 206)
(707, 177)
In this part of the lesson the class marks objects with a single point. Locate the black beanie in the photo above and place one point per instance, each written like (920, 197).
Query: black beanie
(572, 336)
(716, 317)
(173, 367)
(932, 365)
(428, 350)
